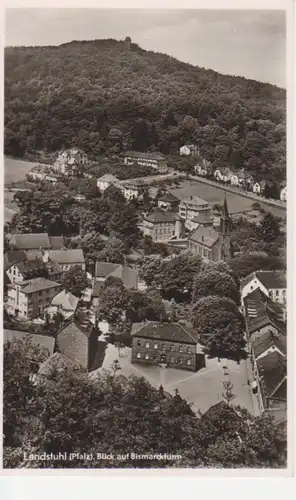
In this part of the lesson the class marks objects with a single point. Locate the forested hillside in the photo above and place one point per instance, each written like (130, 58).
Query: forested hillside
(106, 96)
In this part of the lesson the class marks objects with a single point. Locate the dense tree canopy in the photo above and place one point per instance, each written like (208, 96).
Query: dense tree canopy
(69, 412)
(219, 326)
(75, 280)
(211, 282)
(104, 96)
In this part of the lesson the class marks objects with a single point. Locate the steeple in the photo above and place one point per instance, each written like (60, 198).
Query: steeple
(225, 220)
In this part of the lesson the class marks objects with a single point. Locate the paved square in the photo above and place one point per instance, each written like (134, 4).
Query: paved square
(202, 389)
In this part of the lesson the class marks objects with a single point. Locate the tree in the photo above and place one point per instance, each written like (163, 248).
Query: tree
(113, 251)
(176, 276)
(150, 269)
(211, 282)
(269, 228)
(228, 395)
(220, 327)
(145, 307)
(75, 280)
(245, 264)
(124, 225)
(71, 412)
(113, 301)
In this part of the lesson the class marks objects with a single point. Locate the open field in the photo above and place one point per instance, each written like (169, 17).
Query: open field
(213, 194)
(15, 170)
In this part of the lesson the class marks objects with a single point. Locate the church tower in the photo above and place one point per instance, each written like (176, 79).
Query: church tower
(225, 228)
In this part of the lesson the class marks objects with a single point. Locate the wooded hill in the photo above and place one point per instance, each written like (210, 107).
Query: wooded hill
(107, 96)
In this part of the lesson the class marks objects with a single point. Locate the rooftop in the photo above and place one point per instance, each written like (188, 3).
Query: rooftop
(41, 340)
(56, 242)
(159, 217)
(71, 256)
(261, 310)
(273, 369)
(32, 241)
(269, 279)
(37, 285)
(268, 340)
(103, 269)
(195, 200)
(169, 198)
(66, 300)
(13, 256)
(163, 331)
(108, 178)
(206, 236)
(150, 156)
(203, 218)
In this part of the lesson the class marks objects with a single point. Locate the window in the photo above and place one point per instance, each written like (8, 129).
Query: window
(270, 294)
(163, 347)
(155, 346)
(189, 350)
(180, 361)
(251, 287)
(138, 355)
(147, 345)
(172, 359)
(139, 343)
(188, 362)
(146, 356)
(277, 293)
(180, 349)
(172, 347)
(154, 357)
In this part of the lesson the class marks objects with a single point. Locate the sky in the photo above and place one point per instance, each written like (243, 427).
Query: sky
(247, 43)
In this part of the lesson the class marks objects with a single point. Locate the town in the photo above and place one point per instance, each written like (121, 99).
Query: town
(147, 283)
(145, 275)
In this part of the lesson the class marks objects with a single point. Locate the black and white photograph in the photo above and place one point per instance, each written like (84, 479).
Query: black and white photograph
(145, 237)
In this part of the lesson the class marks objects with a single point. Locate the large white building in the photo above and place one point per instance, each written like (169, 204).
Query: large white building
(70, 162)
(28, 299)
(153, 160)
(192, 207)
(189, 150)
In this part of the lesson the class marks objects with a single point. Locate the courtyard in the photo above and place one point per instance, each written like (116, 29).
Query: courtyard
(202, 389)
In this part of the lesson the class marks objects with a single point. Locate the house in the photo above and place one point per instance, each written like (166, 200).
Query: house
(79, 343)
(212, 244)
(268, 342)
(162, 226)
(34, 243)
(262, 315)
(42, 341)
(23, 270)
(105, 181)
(42, 172)
(168, 343)
(70, 162)
(54, 270)
(240, 178)
(191, 207)
(272, 283)
(168, 202)
(153, 160)
(128, 275)
(223, 174)
(259, 187)
(132, 189)
(283, 194)
(204, 219)
(66, 258)
(204, 168)
(271, 384)
(64, 303)
(28, 299)
(30, 241)
(189, 150)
